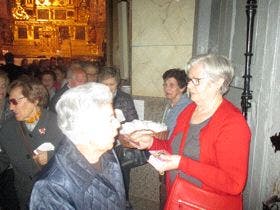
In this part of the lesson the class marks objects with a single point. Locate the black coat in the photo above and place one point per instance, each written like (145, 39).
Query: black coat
(69, 181)
(13, 71)
(56, 98)
(124, 102)
(6, 114)
(13, 148)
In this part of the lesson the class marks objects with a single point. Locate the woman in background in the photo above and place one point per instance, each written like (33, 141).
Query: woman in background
(174, 86)
(48, 79)
(91, 70)
(21, 135)
(126, 112)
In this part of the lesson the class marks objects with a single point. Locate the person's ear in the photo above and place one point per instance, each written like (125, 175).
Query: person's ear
(220, 82)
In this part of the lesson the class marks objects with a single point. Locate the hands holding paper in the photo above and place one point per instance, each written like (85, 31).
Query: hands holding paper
(163, 161)
(41, 153)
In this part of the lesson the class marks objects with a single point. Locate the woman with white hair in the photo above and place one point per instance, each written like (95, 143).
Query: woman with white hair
(206, 156)
(84, 173)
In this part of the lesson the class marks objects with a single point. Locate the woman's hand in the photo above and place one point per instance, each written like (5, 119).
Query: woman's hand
(169, 162)
(41, 158)
(141, 139)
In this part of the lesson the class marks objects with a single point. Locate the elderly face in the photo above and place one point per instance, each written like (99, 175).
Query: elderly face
(111, 83)
(48, 81)
(172, 90)
(3, 88)
(200, 87)
(105, 129)
(79, 78)
(91, 74)
(21, 106)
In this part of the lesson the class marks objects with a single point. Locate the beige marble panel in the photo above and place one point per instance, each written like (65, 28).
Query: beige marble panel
(149, 63)
(162, 22)
(162, 32)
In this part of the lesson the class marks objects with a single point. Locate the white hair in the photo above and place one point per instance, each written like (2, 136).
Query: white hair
(77, 108)
(216, 66)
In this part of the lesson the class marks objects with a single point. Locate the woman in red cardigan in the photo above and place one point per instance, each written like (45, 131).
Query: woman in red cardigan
(209, 147)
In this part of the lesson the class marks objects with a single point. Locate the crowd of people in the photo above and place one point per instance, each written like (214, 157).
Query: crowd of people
(59, 126)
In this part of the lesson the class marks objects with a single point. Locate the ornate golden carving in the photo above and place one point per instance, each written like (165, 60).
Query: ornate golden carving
(19, 13)
(68, 27)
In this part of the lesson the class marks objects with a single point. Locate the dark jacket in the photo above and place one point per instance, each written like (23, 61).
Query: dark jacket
(124, 102)
(6, 114)
(56, 97)
(69, 181)
(13, 71)
(13, 148)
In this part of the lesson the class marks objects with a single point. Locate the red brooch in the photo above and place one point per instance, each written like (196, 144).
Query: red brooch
(42, 131)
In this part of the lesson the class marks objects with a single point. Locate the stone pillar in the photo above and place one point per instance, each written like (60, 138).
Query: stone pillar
(123, 39)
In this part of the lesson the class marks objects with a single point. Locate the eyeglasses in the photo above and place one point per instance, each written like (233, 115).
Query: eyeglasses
(195, 81)
(15, 101)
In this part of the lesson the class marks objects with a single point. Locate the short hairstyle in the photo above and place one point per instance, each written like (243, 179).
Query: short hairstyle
(73, 69)
(48, 72)
(77, 107)
(215, 66)
(89, 66)
(107, 72)
(33, 90)
(4, 76)
(178, 74)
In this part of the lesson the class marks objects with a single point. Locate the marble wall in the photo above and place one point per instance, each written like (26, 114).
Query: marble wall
(162, 37)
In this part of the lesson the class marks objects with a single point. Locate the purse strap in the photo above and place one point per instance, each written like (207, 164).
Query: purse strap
(27, 143)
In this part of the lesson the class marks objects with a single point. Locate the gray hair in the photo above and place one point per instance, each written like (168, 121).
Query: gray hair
(215, 66)
(73, 69)
(77, 108)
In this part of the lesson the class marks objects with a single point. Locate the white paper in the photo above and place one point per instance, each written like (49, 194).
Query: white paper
(119, 115)
(47, 146)
(140, 108)
(155, 162)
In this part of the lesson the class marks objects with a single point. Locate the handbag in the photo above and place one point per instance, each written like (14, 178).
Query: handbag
(186, 196)
(129, 157)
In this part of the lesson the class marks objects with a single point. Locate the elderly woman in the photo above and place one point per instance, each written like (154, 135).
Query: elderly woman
(91, 70)
(84, 173)
(22, 134)
(209, 147)
(110, 76)
(125, 112)
(174, 87)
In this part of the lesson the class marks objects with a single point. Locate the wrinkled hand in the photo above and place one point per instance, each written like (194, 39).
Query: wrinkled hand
(141, 139)
(41, 158)
(169, 162)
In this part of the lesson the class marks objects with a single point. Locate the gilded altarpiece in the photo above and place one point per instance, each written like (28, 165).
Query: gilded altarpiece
(67, 28)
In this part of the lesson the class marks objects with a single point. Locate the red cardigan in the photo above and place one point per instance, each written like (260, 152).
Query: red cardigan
(224, 150)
